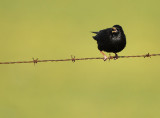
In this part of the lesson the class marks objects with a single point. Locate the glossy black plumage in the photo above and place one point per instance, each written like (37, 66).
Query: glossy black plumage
(111, 39)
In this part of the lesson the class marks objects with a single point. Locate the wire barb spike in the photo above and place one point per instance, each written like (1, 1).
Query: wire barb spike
(35, 61)
(73, 58)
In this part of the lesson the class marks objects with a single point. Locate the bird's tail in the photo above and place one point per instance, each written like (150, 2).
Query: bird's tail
(95, 37)
(95, 32)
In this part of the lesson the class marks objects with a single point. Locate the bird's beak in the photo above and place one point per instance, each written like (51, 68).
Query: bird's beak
(114, 30)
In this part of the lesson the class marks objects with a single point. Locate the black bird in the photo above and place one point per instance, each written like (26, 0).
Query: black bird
(111, 40)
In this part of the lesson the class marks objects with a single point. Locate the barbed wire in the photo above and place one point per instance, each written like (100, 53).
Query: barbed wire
(73, 59)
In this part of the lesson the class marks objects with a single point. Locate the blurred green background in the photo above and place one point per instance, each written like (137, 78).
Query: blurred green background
(56, 29)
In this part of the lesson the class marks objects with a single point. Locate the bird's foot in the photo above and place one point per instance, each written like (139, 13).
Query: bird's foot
(115, 57)
(105, 58)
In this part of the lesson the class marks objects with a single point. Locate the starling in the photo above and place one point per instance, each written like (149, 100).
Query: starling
(110, 40)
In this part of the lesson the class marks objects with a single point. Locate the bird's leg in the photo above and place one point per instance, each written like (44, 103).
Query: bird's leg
(116, 56)
(105, 57)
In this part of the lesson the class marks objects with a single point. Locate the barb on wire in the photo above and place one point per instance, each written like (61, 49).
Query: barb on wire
(73, 59)
(35, 61)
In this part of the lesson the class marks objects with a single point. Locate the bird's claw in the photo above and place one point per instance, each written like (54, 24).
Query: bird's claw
(105, 58)
(115, 57)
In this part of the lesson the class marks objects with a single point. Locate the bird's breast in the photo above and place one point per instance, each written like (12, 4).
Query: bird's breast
(115, 44)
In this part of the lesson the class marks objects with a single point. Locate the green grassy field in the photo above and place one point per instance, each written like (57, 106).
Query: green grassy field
(53, 29)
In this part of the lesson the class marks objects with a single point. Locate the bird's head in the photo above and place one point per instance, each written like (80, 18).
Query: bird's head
(117, 29)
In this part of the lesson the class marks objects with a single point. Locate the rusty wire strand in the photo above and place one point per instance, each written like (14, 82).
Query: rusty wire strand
(73, 59)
